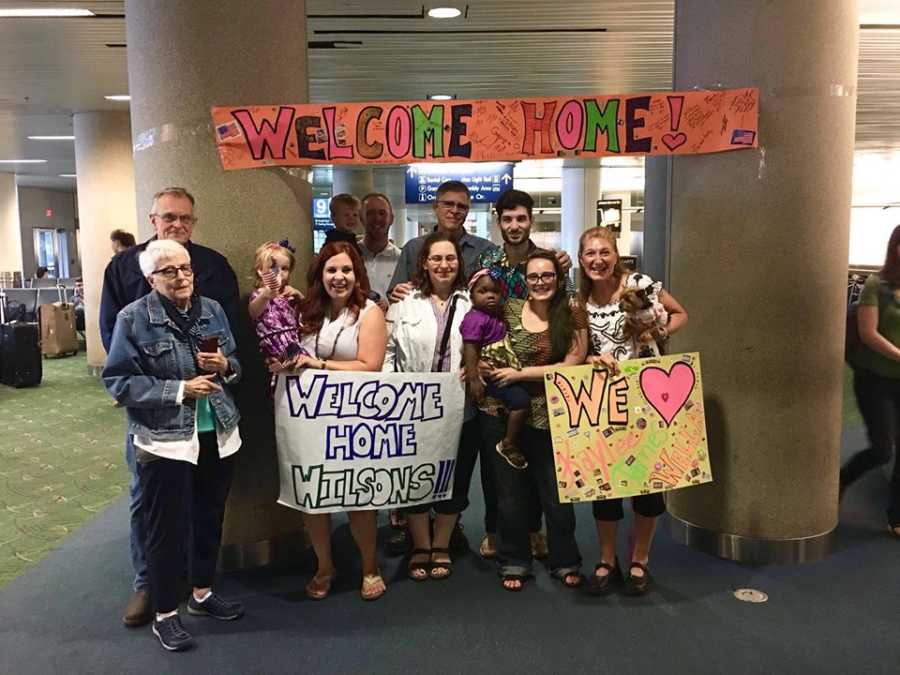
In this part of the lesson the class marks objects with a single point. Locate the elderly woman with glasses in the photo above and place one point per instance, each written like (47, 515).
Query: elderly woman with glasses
(170, 364)
(425, 338)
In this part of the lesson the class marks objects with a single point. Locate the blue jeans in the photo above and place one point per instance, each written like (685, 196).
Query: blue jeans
(138, 537)
(515, 509)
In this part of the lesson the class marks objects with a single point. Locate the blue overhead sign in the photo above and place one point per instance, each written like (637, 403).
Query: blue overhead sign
(485, 180)
(322, 213)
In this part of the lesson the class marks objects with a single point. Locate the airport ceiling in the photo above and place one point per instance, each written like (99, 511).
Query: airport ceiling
(388, 49)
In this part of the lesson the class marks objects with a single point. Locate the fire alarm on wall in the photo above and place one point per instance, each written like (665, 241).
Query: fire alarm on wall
(48, 213)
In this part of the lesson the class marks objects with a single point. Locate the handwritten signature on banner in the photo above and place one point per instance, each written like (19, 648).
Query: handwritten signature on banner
(349, 441)
(641, 432)
(676, 123)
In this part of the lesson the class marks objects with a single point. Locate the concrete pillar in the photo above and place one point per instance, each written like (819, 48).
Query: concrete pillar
(358, 181)
(105, 168)
(391, 180)
(10, 228)
(580, 192)
(654, 260)
(758, 257)
(183, 58)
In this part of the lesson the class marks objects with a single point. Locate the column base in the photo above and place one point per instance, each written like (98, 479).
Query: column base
(287, 548)
(751, 550)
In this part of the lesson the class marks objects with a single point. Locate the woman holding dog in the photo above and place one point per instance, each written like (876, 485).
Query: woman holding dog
(614, 337)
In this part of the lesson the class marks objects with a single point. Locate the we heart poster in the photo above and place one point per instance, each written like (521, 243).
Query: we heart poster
(638, 432)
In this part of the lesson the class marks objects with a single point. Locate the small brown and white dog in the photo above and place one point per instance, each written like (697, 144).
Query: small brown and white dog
(645, 318)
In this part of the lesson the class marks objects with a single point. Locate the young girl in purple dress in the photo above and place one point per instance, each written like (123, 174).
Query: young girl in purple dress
(485, 338)
(273, 305)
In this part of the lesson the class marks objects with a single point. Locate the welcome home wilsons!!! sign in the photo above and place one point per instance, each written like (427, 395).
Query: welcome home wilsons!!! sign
(675, 123)
(352, 441)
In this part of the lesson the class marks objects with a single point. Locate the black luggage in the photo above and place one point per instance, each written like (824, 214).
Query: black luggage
(20, 351)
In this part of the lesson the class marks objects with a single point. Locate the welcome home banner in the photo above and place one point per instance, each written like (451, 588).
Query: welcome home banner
(352, 441)
(675, 123)
(640, 432)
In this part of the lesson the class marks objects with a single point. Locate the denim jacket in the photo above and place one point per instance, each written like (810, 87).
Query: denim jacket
(149, 358)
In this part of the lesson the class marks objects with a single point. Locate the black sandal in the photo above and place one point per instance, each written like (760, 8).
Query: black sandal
(637, 585)
(414, 566)
(441, 564)
(601, 585)
(521, 578)
(561, 578)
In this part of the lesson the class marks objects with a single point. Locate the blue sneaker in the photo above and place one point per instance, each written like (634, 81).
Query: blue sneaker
(172, 635)
(215, 607)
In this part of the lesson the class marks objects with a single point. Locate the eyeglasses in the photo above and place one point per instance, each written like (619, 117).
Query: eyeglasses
(183, 218)
(171, 272)
(438, 259)
(545, 277)
(449, 205)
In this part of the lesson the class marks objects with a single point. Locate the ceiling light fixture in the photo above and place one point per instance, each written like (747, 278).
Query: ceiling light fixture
(23, 161)
(441, 97)
(49, 12)
(444, 12)
(67, 175)
(51, 138)
(118, 97)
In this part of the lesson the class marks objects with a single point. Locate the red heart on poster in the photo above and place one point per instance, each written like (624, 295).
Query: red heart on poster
(668, 392)
(673, 141)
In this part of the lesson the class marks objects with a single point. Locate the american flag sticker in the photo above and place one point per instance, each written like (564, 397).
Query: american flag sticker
(743, 137)
(228, 130)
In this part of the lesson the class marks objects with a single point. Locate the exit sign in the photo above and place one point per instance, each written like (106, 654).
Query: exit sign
(48, 213)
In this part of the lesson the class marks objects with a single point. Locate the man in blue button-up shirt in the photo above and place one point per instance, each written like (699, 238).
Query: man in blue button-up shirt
(451, 206)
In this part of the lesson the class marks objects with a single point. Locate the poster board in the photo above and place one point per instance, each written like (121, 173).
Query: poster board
(639, 432)
(359, 441)
(486, 130)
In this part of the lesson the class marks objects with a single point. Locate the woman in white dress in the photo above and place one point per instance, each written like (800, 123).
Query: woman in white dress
(342, 330)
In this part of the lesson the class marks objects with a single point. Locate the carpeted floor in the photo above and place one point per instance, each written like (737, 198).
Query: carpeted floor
(63, 615)
(61, 461)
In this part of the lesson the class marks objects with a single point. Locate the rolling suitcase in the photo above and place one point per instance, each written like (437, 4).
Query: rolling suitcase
(58, 336)
(20, 351)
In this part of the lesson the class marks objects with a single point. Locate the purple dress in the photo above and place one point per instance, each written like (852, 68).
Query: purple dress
(278, 326)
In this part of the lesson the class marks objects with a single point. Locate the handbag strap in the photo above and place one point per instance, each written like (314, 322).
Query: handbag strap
(445, 338)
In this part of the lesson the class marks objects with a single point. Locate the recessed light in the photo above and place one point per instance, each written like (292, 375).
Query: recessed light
(118, 97)
(51, 138)
(442, 97)
(23, 161)
(49, 12)
(444, 12)
(67, 175)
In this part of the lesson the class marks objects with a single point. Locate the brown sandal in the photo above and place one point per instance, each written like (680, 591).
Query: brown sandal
(319, 588)
(373, 587)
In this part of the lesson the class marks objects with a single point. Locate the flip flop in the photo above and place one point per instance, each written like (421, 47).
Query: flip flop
(370, 582)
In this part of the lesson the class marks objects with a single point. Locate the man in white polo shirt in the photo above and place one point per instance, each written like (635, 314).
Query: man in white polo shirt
(378, 251)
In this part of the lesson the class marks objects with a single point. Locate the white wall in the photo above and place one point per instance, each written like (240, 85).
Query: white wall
(10, 236)
(33, 204)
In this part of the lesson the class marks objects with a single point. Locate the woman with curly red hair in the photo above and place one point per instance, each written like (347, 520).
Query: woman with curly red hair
(341, 330)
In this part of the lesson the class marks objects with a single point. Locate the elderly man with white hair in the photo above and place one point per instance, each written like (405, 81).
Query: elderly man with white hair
(171, 361)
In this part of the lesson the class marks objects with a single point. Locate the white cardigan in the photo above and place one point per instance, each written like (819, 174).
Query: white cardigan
(412, 336)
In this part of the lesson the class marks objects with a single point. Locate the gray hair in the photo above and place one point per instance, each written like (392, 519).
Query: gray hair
(156, 251)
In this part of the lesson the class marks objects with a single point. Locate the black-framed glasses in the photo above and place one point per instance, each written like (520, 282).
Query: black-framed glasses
(449, 205)
(183, 218)
(545, 277)
(171, 272)
(438, 259)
